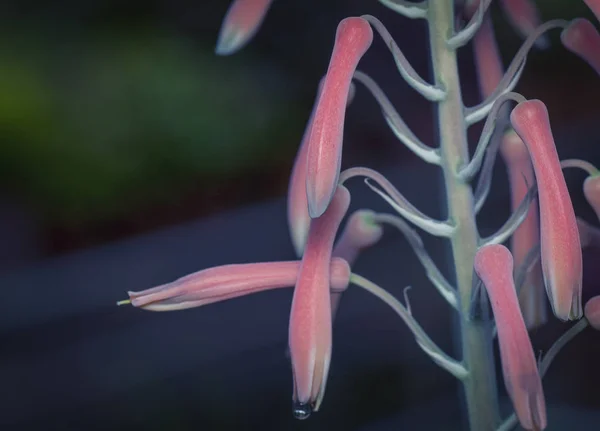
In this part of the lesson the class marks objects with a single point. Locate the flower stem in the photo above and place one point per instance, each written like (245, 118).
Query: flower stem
(475, 335)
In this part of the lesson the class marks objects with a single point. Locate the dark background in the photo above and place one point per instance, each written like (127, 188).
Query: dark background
(116, 118)
(131, 155)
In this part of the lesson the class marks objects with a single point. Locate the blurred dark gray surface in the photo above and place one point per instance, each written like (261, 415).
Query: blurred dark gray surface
(71, 360)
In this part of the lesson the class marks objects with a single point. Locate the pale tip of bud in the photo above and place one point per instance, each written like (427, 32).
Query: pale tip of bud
(592, 312)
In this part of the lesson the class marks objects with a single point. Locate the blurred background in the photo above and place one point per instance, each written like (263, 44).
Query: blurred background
(117, 118)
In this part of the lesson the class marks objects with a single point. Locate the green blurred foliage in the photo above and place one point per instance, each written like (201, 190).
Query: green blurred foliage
(93, 128)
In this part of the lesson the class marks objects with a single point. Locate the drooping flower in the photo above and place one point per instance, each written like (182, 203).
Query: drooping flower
(520, 175)
(324, 155)
(297, 204)
(241, 23)
(487, 58)
(592, 312)
(524, 17)
(594, 5)
(591, 191)
(527, 235)
(360, 232)
(229, 281)
(560, 245)
(310, 317)
(582, 38)
(494, 266)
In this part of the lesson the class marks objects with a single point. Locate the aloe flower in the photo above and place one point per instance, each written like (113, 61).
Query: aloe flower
(592, 312)
(582, 38)
(520, 175)
(487, 58)
(494, 266)
(310, 316)
(560, 245)
(591, 191)
(229, 281)
(324, 154)
(594, 5)
(360, 232)
(297, 204)
(527, 235)
(524, 17)
(241, 23)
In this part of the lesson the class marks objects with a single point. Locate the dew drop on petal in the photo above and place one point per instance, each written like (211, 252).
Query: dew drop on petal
(301, 410)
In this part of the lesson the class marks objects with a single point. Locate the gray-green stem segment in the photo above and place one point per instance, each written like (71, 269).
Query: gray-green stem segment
(476, 338)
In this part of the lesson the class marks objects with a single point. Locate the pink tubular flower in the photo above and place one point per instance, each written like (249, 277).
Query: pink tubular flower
(560, 245)
(229, 281)
(494, 266)
(487, 58)
(527, 235)
(297, 204)
(241, 23)
(592, 312)
(524, 17)
(360, 233)
(324, 155)
(594, 5)
(520, 174)
(591, 191)
(310, 316)
(582, 38)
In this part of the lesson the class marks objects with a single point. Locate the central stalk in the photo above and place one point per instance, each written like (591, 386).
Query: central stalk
(476, 336)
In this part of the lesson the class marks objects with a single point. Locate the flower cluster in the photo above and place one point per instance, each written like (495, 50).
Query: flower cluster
(546, 236)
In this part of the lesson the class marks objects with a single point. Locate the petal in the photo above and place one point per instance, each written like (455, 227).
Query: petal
(582, 38)
(241, 23)
(494, 266)
(524, 17)
(297, 204)
(230, 281)
(560, 245)
(360, 232)
(324, 156)
(487, 58)
(521, 177)
(310, 316)
(591, 190)
(594, 5)
(592, 312)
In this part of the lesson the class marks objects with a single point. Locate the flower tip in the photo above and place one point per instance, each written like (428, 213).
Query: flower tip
(241, 22)
(124, 302)
(592, 312)
(582, 38)
(591, 191)
(318, 201)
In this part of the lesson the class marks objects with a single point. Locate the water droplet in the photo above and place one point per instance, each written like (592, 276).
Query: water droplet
(301, 410)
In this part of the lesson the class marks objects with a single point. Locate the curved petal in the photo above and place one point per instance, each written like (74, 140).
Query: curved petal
(560, 245)
(353, 38)
(494, 266)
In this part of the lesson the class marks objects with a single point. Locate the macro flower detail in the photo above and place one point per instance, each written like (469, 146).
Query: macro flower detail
(520, 175)
(525, 18)
(592, 312)
(324, 155)
(242, 21)
(360, 232)
(591, 191)
(561, 257)
(494, 266)
(582, 38)
(229, 281)
(527, 236)
(297, 204)
(310, 333)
